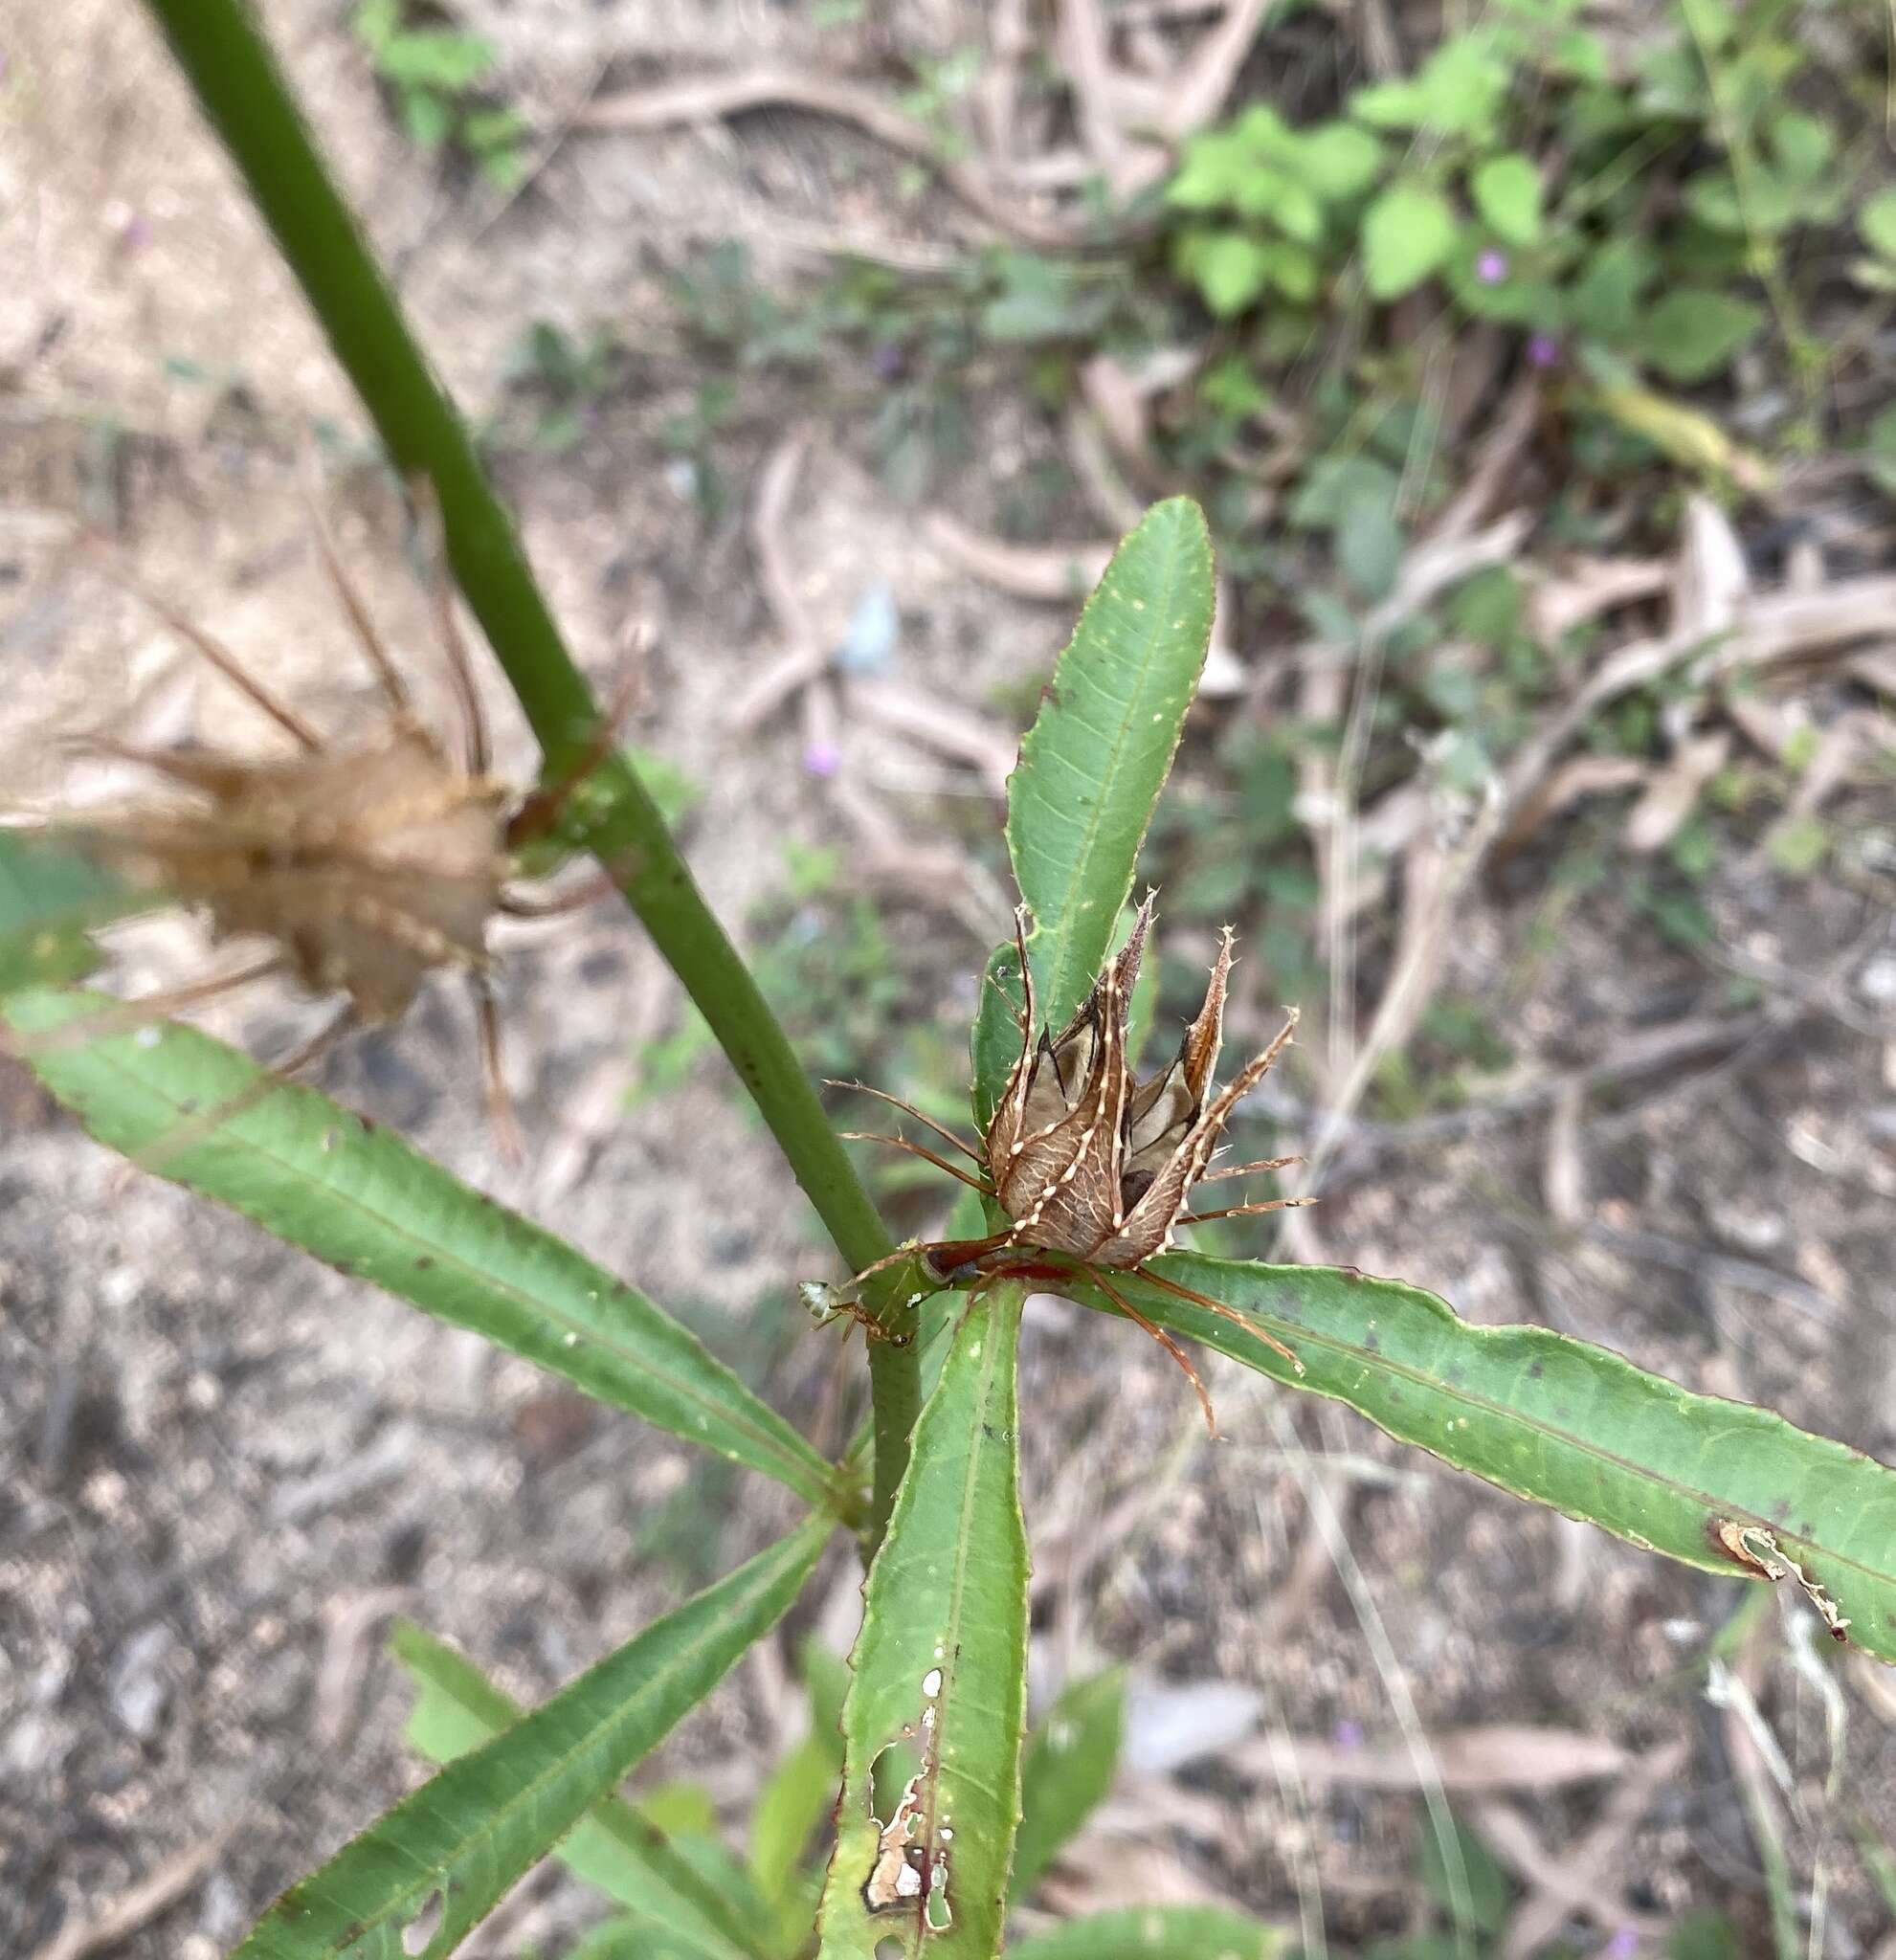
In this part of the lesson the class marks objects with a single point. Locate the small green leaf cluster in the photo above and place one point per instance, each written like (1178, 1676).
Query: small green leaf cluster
(562, 380)
(1513, 174)
(441, 80)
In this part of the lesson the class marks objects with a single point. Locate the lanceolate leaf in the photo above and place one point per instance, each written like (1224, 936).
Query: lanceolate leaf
(1718, 1485)
(1154, 1932)
(931, 1726)
(369, 1204)
(1071, 1759)
(414, 1882)
(613, 1847)
(1093, 764)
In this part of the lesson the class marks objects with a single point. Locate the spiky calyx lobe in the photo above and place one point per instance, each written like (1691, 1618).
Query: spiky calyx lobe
(1085, 1159)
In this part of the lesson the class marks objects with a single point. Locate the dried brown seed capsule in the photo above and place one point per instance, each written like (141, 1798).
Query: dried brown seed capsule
(1094, 1167)
(365, 865)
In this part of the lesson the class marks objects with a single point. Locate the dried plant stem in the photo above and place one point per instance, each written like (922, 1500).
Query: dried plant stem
(222, 52)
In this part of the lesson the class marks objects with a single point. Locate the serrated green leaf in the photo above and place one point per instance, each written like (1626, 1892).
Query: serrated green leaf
(995, 1043)
(1069, 1767)
(365, 1200)
(1369, 542)
(1407, 233)
(1458, 91)
(1093, 764)
(1606, 296)
(615, 1846)
(1295, 211)
(1391, 105)
(1294, 272)
(1155, 1932)
(1690, 334)
(51, 898)
(427, 117)
(1803, 144)
(445, 1855)
(940, 1670)
(1563, 1423)
(1877, 222)
(437, 58)
(1213, 170)
(1507, 191)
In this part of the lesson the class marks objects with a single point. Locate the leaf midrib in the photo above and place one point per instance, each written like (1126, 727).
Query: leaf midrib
(604, 1812)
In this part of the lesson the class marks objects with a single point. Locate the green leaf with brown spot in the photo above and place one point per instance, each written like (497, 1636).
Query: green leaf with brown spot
(937, 1699)
(1723, 1485)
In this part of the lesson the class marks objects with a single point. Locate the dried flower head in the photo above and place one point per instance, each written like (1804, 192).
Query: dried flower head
(1088, 1161)
(363, 865)
(1092, 1167)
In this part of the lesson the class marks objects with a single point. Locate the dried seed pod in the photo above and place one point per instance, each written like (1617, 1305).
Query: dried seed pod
(1094, 1167)
(367, 865)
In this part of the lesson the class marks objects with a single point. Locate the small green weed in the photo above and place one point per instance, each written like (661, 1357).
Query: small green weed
(562, 382)
(1514, 173)
(440, 78)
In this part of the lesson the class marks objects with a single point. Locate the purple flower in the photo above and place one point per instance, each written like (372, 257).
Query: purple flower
(822, 759)
(1349, 1735)
(1624, 1945)
(1542, 350)
(886, 362)
(1491, 267)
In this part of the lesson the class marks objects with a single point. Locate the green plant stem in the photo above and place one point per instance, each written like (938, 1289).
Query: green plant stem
(222, 50)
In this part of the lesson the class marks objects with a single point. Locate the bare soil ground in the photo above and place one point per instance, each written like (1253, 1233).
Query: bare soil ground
(222, 1467)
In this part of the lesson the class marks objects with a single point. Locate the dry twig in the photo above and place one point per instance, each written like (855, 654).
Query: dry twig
(703, 98)
(117, 1919)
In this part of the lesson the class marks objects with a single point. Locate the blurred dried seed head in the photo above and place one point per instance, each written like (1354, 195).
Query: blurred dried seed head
(363, 865)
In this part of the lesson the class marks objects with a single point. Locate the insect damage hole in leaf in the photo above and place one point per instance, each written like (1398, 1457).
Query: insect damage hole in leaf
(418, 1934)
(913, 1856)
(1753, 1548)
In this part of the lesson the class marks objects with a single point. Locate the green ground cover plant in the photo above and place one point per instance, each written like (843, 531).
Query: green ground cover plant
(951, 1807)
